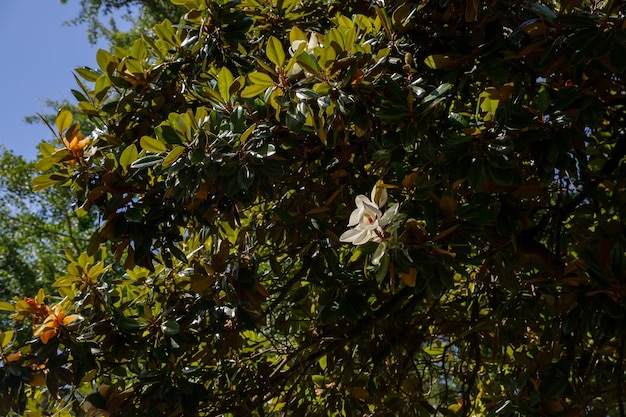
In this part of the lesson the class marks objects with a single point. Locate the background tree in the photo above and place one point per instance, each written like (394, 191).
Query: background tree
(342, 209)
(141, 14)
(36, 229)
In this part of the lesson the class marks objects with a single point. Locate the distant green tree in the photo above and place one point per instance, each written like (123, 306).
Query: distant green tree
(102, 18)
(35, 229)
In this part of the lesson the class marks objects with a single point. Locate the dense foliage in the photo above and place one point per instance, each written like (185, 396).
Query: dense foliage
(341, 208)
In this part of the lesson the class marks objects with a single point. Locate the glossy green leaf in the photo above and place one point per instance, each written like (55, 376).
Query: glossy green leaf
(296, 116)
(173, 155)
(147, 161)
(46, 149)
(130, 324)
(6, 306)
(309, 63)
(42, 182)
(190, 4)
(170, 327)
(224, 81)
(128, 156)
(103, 58)
(254, 90)
(275, 51)
(63, 121)
(87, 74)
(260, 79)
(149, 144)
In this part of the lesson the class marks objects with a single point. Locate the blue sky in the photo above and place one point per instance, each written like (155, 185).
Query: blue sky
(40, 53)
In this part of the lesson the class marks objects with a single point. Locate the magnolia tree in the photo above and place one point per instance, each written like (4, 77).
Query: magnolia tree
(340, 208)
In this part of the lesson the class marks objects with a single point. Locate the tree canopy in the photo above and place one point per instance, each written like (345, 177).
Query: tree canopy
(335, 208)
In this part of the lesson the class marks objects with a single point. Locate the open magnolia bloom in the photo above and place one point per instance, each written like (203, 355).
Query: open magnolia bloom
(368, 221)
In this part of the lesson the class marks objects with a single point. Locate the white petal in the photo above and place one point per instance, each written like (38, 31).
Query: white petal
(372, 209)
(356, 216)
(389, 215)
(379, 195)
(351, 235)
(364, 237)
(312, 42)
(360, 200)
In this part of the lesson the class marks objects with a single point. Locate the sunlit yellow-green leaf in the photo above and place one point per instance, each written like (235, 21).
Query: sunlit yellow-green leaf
(349, 36)
(134, 66)
(335, 39)
(63, 121)
(46, 149)
(44, 164)
(103, 58)
(260, 78)
(213, 95)
(489, 100)
(326, 58)
(138, 50)
(343, 21)
(5, 337)
(165, 32)
(244, 136)
(128, 156)
(42, 182)
(6, 306)
(66, 280)
(190, 4)
(87, 74)
(253, 90)
(96, 270)
(149, 144)
(224, 81)
(173, 155)
(296, 34)
(275, 51)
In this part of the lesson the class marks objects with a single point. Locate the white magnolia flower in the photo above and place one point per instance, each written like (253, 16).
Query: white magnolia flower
(309, 48)
(367, 221)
